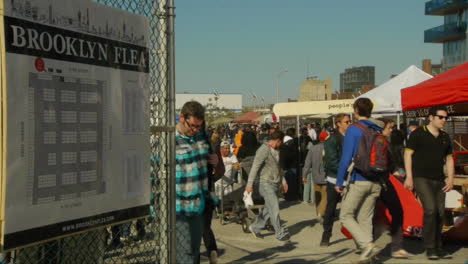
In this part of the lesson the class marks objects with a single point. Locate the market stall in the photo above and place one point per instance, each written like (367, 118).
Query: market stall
(291, 113)
(387, 98)
(246, 118)
(450, 89)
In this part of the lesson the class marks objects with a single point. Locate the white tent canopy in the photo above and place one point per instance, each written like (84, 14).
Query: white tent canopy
(387, 97)
(313, 107)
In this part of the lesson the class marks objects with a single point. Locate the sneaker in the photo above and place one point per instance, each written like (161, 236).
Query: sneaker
(284, 239)
(255, 234)
(401, 254)
(369, 252)
(213, 257)
(431, 254)
(443, 254)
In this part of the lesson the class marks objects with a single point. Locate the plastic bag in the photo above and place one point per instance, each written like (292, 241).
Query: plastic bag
(248, 201)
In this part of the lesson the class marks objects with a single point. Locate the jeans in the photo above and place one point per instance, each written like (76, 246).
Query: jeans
(292, 179)
(309, 191)
(320, 198)
(189, 231)
(357, 210)
(433, 201)
(333, 197)
(269, 192)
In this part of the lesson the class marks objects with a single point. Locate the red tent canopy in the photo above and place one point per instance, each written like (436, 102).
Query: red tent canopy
(450, 87)
(248, 117)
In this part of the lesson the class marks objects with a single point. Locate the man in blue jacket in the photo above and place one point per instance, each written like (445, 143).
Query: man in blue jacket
(357, 209)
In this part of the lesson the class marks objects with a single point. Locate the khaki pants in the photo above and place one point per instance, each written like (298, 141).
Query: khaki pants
(357, 210)
(320, 198)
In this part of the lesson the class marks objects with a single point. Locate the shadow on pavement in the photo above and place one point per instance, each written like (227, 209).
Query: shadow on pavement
(285, 204)
(268, 253)
(338, 241)
(294, 260)
(331, 256)
(269, 256)
(297, 227)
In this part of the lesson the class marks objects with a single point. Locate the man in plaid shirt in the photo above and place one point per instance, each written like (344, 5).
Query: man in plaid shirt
(192, 159)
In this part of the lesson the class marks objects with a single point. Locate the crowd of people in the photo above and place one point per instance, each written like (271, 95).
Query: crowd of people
(323, 166)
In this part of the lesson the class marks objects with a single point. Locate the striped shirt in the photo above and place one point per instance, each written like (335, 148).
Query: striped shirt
(191, 174)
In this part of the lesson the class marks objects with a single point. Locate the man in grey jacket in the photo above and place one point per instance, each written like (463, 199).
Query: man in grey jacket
(266, 165)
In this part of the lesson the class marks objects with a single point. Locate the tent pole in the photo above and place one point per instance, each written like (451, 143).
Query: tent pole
(298, 125)
(398, 120)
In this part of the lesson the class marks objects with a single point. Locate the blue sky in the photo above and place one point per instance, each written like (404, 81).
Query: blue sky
(238, 46)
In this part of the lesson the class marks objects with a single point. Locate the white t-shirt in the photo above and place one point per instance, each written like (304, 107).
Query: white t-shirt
(312, 134)
(228, 162)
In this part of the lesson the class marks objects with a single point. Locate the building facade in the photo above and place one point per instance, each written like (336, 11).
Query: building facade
(452, 34)
(353, 79)
(432, 69)
(313, 89)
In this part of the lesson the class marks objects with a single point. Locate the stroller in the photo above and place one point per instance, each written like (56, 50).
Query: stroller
(232, 207)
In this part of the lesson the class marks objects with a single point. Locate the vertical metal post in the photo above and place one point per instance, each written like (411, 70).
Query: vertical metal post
(398, 120)
(171, 122)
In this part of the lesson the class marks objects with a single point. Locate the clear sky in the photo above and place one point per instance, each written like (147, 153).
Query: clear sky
(238, 46)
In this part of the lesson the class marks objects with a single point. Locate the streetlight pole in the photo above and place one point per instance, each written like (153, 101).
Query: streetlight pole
(278, 75)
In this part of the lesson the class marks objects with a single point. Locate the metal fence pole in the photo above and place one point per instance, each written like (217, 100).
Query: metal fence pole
(172, 119)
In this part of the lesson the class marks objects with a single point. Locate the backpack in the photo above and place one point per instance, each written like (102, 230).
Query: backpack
(371, 159)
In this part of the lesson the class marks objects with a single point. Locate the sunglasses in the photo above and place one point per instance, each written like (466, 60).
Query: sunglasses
(193, 127)
(441, 117)
(346, 122)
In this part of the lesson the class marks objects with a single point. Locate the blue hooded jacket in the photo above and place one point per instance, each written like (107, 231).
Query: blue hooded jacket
(350, 146)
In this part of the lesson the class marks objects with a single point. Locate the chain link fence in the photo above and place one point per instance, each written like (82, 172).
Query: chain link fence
(148, 240)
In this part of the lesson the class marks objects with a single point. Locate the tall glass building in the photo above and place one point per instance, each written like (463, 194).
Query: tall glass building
(452, 34)
(353, 79)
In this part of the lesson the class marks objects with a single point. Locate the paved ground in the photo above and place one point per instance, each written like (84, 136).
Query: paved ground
(238, 247)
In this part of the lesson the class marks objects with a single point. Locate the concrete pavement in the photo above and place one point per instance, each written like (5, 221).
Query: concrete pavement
(235, 246)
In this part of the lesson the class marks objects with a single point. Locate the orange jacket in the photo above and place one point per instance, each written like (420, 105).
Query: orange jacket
(238, 142)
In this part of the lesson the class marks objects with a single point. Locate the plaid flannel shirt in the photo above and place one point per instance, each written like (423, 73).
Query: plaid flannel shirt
(191, 174)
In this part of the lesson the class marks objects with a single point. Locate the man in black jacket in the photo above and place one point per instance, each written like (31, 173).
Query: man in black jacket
(289, 161)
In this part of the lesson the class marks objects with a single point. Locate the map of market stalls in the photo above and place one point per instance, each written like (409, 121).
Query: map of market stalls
(68, 130)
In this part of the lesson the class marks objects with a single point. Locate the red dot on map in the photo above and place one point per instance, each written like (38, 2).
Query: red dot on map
(39, 64)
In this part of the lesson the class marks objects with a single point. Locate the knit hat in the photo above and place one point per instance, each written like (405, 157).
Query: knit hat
(324, 135)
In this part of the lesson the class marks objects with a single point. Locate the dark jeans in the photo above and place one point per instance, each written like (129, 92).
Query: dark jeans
(389, 198)
(433, 201)
(333, 197)
(208, 236)
(189, 230)
(292, 179)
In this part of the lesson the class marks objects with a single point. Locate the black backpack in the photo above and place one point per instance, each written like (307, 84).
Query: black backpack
(371, 159)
